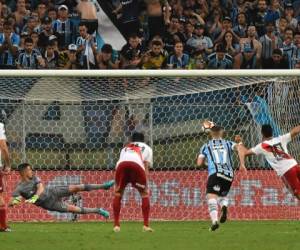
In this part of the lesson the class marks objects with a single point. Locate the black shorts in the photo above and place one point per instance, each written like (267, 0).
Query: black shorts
(218, 185)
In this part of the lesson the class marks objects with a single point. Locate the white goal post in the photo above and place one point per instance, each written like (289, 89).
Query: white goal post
(71, 125)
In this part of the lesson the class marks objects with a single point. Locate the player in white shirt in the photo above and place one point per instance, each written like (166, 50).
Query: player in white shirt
(133, 167)
(4, 154)
(274, 149)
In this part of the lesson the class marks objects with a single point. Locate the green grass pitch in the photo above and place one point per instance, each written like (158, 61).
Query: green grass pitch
(252, 235)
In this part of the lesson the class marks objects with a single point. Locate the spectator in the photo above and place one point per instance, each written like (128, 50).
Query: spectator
(46, 33)
(226, 26)
(129, 16)
(277, 61)
(259, 17)
(9, 42)
(219, 59)
(154, 58)
(69, 59)
(251, 39)
(199, 42)
(54, 39)
(296, 52)
(64, 28)
(42, 10)
(158, 13)
(30, 59)
(105, 60)
(231, 45)
(241, 28)
(178, 60)
(269, 42)
(131, 53)
(172, 34)
(197, 62)
(35, 38)
(281, 25)
(289, 16)
(246, 59)
(30, 26)
(214, 23)
(88, 15)
(21, 14)
(288, 46)
(23, 37)
(87, 48)
(51, 56)
(189, 31)
(52, 14)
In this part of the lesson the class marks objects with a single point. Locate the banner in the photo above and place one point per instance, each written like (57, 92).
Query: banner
(175, 195)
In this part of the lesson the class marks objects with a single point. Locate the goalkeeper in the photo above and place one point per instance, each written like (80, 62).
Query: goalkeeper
(33, 191)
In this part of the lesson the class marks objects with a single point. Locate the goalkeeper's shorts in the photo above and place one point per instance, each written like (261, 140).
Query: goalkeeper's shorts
(130, 172)
(52, 201)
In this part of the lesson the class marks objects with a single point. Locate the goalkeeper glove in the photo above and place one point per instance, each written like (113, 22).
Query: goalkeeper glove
(33, 199)
(16, 200)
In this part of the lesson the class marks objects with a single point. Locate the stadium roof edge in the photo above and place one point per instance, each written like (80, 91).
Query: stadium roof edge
(150, 73)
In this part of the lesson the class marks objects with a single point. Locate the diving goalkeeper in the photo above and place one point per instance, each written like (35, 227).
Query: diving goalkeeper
(33, 191)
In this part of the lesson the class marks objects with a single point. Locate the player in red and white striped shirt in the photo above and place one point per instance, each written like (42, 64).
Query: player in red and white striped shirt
(133, 167)
(274, 149)
(4, 154)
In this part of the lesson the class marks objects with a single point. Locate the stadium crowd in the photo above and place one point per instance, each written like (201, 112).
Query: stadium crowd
(160, 34)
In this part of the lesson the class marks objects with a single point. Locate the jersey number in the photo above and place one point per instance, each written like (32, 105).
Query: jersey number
(278, 151)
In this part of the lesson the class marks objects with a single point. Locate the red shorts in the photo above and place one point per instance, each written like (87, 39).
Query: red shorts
(1, 184)
(130, 172)
(292, 180)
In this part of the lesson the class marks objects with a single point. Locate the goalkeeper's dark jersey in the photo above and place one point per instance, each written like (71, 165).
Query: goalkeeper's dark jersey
(27, 189)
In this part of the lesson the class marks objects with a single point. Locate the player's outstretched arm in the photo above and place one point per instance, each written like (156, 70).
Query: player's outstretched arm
(243, 152)
(200, 161)
(14, 201)
(34, 198)
(295, 131)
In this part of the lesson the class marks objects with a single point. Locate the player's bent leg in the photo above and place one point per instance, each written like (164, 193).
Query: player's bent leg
(291, 180)
(3, 223)
(117, 208)
(85, 210)
(212, 200)
(89, 187)
(146, 210)
(223, 201)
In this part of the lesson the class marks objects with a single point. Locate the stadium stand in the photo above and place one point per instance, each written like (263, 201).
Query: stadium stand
(129, 34)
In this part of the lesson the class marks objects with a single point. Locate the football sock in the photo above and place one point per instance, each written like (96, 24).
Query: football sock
(223, 201)
(117, 208)
(213, 210)
(3, 224)
(86, 210)
(89, 187)
(146, 210)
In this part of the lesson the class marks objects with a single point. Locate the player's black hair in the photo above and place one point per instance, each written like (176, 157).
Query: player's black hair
(22, 166)
(267, 130)
(137, 137)
(217, 128)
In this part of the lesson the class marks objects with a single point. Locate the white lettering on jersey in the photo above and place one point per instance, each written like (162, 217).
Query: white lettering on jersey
(142, 154)
(276, 153)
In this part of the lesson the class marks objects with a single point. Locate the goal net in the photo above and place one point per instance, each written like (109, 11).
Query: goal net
(72, 128)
